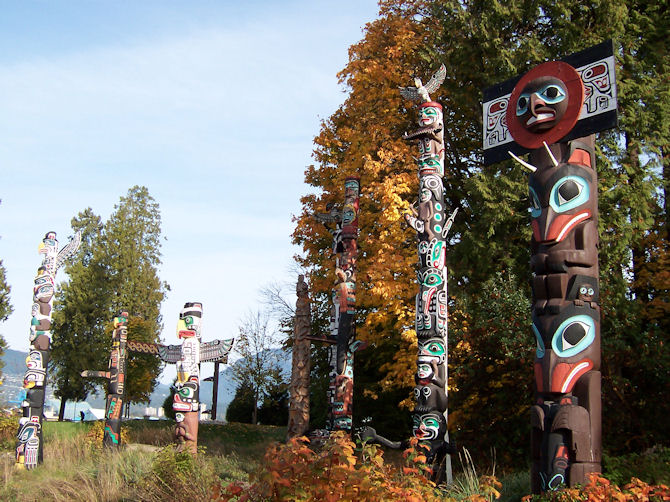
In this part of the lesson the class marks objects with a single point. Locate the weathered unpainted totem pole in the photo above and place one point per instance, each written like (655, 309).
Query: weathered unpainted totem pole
(187, 398)
(116, 374)
(30, 445)
(298, 413)
(429, 219)
(343, 330)
(552, 113)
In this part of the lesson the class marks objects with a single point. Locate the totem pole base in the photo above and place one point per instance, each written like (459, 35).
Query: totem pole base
(186, 433)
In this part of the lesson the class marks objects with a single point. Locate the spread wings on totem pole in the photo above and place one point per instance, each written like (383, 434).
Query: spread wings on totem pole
(552, 112)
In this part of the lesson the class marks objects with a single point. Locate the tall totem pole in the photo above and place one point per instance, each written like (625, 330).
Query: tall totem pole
(187, 398)
(552, 113)
(29, 445)
(343, 330)
(429, 219)
(298, 413)
(116, 374)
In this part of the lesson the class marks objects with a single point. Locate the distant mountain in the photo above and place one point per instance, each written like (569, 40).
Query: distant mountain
(15, 362)
(11, 391)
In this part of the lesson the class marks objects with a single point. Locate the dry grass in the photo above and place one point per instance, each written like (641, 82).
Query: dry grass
(77, 469)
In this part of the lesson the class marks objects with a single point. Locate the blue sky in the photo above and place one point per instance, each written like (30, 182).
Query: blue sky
(211, 105)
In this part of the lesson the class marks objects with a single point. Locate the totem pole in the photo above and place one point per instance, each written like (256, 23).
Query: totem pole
(343, 330)
(298, 414)
(29, 445)
(116, 376)
(429, 219)
(215, 351)
(552, 113)
(187, 398)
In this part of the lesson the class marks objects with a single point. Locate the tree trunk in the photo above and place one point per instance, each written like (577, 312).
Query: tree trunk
(254, 416)
(61, 411)
(665, 158)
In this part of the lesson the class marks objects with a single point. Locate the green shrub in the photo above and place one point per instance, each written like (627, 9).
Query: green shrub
(651, 466)
(9, 426)
(176, 475)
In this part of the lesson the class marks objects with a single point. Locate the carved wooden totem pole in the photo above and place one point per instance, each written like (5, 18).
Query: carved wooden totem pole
(29, 446)
(298, 414)
(117, 381)
(343, 330)
(429, 219)
(215, 351)
(187, 398)
(551, 113)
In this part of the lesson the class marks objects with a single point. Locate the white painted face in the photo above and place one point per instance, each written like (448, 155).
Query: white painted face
(429, 115)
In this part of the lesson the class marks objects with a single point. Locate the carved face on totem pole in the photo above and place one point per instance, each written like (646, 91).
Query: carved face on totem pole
(190, 320)
(186, 398)
(562, 197)
(429, 397)
(431, 308)
(432, 350)
(545, 104)
(567, 347)
(429, 426)
(36, 372)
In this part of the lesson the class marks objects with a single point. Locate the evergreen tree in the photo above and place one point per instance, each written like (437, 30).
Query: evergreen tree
(169, 400)
(80, 338)
(5, 309)
(241, 408)
(5, 289)
(115, 269)
(274, 409)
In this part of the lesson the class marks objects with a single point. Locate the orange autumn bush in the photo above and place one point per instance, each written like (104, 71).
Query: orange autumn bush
(600, 489)
(337, 472)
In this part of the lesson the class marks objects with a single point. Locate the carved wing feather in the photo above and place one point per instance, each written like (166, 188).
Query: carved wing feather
(68, 250)
(216, 350)
(410, 93)
(436, 80)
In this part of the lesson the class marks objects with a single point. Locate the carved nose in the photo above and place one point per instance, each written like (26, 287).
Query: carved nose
(535, 102)
(542, 224)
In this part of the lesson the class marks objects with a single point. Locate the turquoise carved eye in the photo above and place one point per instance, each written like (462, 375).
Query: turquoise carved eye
(432, 279)
(573, 335)
(568, 193)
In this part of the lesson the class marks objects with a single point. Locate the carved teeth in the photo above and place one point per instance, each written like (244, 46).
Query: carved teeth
(551, 155)
(522, 162)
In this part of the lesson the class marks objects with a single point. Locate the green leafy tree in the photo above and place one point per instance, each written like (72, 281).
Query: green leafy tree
(114, 270)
